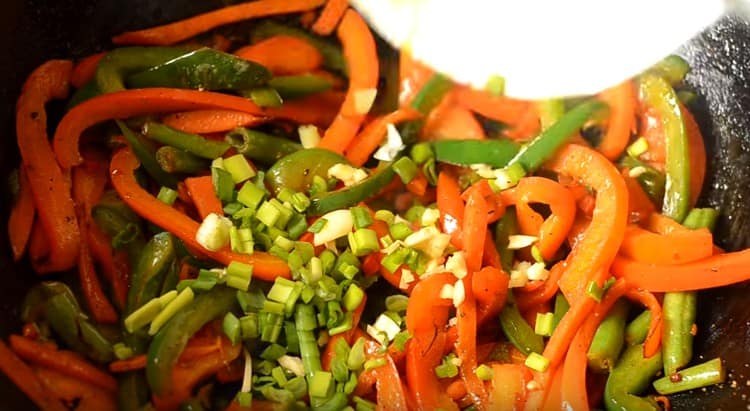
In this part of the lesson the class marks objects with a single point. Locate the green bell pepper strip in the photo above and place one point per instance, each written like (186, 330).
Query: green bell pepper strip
(119, 63)
(296, 171)
(132, 391)
(702, 375)
(175, 160)
(349, 196)
(637, 330)
(119, 222)
(658, 94)
(291, 87)
(518, 331)
(631, 376)
(203, 69)
(507, 226)
(171, 339)
(533, 154)
(148, 275)
(608, 340)
(651, 179)
(550, 111)
(672, 68)
(428, 97)
(54, 303)
(333, 57)
(192, 143)
(561, 308)
(88, 91)
(146, 153)
(496, 153)
(259, 146)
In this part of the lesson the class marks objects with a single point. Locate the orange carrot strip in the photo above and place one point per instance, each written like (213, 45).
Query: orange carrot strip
(661, 224)
(39, 250)
(368, 140)
(67, 362)
(137, 362)
(319, 109)
(574, 390)
(697, 149)
(124, 162)
(329, 17)
(129, 103)
(69, 390)
(599, 245)
(622, 103)
(451, 207)
(27, 381)
(21, 219)
(211, 121)
(184, 29)
(283, 54)
(203, 194)
(49, 186)
(449, 121)
(362, 60)
(84, 71)
(677, 247)
(653, 338)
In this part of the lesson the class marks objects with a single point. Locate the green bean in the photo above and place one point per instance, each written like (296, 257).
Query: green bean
(519, 332)
(261, 147)
(637, 331)
(672, 68)
(146, 153)
(702, 375)
(291, 87)
(496, 153)
(677, 337)
(337, 402)
(304, 319)
(608, 340)
(630, 377)
(192, 143)
(174, 160)
(148, 275)
(132, 391)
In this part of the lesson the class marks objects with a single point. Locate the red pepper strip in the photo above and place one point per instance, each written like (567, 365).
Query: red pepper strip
(653, 338)
(211, 121)
(451, 207)
(329, 17)
(516, 113)
(368, 140)
(599, 245)
(49, 186)
(89, 182)
(114, 264)
(574, 392)
(526, 300)
(21, 219)
(265, 266)
(283, 54)
(319, 109)
(84, 71)
(553, 389)
(70, 390)
(362, 59)
(178, 31)
(490, 288)
(640, 206)
(203, 194)
(186, 375)
(66, 362)
(390, 390)
(27, 381)
(413, 75)
(39, 250)
(129, 103)
(715, 271)
(508, 387)
(677, 247)
(622, 103)
(426, 318)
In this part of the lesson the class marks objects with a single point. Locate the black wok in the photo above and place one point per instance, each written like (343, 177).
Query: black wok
(37, 30)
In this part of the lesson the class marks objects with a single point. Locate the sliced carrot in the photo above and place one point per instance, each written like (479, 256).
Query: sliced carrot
(204, 196)
(129, 103)
(451, 206)
(27, 381)
(21, 219)
(86, 396)
(677, 247)
(49, 186)
(697, 149)
(449, 121)
(368, 140)
(211, 121)
(66, 362)
(124, 162)
(283, 54)
(137, 362)
(84, 71)
(362, 60)
(622, 103)
(184, 29)
(329, 17)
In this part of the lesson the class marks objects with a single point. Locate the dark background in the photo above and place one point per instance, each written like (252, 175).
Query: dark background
(35, 31)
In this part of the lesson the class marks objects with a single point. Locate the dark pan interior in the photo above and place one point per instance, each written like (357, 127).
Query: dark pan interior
(37, 30)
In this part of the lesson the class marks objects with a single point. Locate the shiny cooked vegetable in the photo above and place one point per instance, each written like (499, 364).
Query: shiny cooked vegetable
(302, 220)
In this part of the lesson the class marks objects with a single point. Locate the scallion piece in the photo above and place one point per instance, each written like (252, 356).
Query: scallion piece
(406, 169)
(231, 327)
(240, 169)
(250, 195)
(484, 372)
(363, 241)
(374, 363)
(239, 275)
(544, 324)
(273, 352)
(249, 326)
(594, 291)
(421, 152)
(537, 362)
(353, 297)
(321, 384)
(181, 301)
(399, 231)
(223, 184)
(360, 217)
(167, 195)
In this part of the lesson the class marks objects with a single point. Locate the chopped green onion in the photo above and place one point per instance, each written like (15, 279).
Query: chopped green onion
(319, 186)
(356, 358)
(264, 97)
(484, 372)
(223, 184)
(638, 147)
(353, 297)
(594, 291)
(245, 399)
(300, 202)
(509, 176)
(400, 231)
(343, 326)
(328, 259)
(232, 208)
(273, 352)
(537, 362)
(297, 226)
(700, 218)
(239, 275)
(360, 217)
(285, 243)
(231, 327)
(363, 241)
(348, 270)
(250, 195)
(413, 214)
(421, 152)
(544, 324)
(362, 404)
(698, 376)
(181, 301)
(251, 301)
(122, 351)
(206, 280)
(536, 254)
(309, 136)
(385, 215)
(307, 294)
(268, 214)
(374, 363)
(406, 169)
(238, 166)
(318, 225)
(143, 315)
(321, 384)
(249, 326)
(446, 369)
(274, 307)
(271, 325)
(167, 195)
(393, 261)
(279, 375)
(400, 340)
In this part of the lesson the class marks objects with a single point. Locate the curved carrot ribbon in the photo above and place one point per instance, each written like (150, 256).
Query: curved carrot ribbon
(211, 121)
(124, 162)
(283, 54)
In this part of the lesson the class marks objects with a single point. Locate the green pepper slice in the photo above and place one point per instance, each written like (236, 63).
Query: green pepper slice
(496, 153)
(296, 171)
(152, 268)
(349, 196)
(259, 146)
(119, 63)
